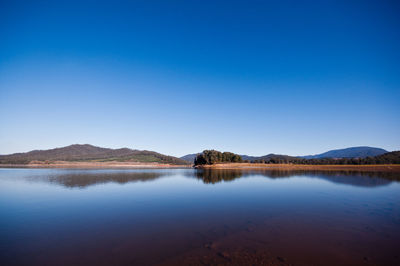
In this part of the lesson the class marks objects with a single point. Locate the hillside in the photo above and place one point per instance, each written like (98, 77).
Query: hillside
(86, 152)
(353, 152)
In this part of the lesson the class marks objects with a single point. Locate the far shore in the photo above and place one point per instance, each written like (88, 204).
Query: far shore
(227, 166)
(288, 167)
(94, 165)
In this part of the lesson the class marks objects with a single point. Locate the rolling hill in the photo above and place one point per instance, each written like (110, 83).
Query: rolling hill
(86, 152)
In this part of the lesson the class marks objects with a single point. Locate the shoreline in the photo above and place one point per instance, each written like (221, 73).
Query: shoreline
(95, 165)
(304, 167)
(224, 166)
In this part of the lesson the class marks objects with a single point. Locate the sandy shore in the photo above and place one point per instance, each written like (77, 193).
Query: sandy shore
(367, 168)
(94, 165)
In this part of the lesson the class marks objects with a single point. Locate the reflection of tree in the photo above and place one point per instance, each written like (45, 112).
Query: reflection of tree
(355, 178)
(83, 179)
(218, 175)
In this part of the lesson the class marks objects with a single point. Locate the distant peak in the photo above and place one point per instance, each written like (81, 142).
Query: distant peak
(350, 152)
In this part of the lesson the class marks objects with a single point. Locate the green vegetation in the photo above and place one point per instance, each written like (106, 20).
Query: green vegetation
(209, 157)
(213, 156)
(387, 158)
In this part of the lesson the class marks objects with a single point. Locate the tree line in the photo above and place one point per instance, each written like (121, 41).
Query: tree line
(213, 156)
(387, 158)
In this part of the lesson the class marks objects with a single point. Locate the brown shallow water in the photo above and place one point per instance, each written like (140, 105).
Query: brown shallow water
(198, 217)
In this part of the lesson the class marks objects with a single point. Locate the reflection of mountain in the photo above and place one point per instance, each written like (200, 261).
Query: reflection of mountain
(85, 179)
(353, 178)
(358, 179)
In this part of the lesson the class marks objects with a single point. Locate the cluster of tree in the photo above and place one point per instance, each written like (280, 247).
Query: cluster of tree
(213, 156)
(387, 158)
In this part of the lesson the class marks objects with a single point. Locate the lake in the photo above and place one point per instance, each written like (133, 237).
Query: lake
(198, 217)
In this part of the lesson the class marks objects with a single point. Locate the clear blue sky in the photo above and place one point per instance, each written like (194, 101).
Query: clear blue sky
(177, 77)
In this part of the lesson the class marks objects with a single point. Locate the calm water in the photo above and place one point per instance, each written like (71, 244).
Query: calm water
(190, 217)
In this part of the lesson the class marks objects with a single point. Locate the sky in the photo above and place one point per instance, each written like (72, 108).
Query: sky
(178, 77)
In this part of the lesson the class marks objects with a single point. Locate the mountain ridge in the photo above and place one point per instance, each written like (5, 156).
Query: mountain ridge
(351, 152)
(87, 152)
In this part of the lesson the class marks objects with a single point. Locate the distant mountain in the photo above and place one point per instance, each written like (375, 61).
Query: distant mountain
(189, 157)
(86, 152)
(353, 152)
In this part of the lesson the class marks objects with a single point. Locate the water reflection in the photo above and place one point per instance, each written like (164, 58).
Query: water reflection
(86, 178)
(83, 179)
(198, 217)
(354, 178)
